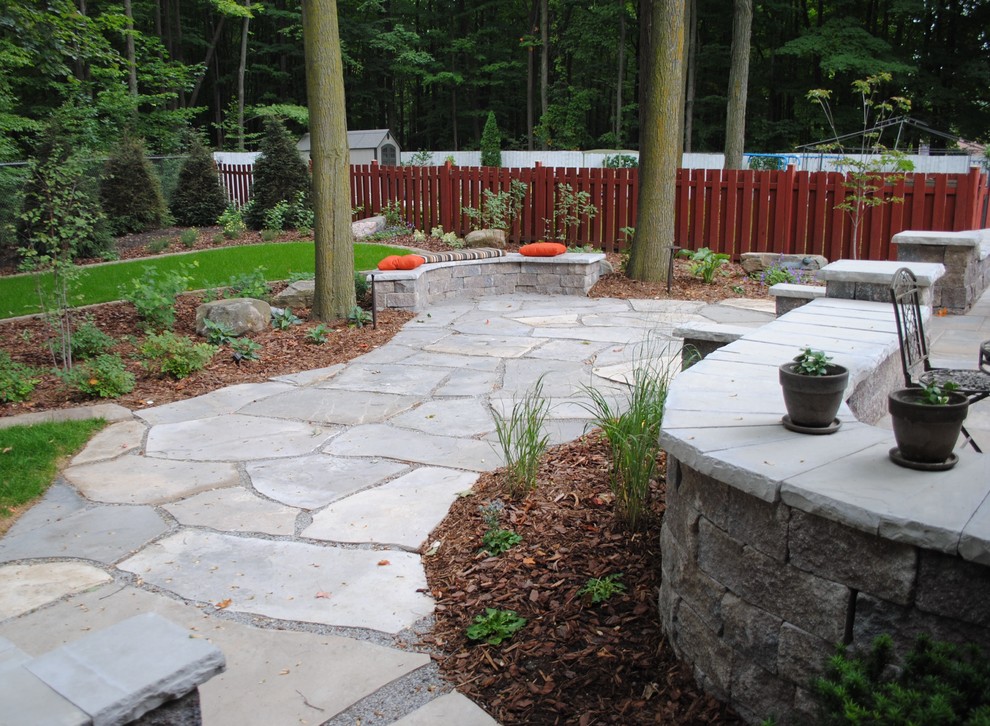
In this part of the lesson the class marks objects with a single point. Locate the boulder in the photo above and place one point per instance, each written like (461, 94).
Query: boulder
(297, 295)
(242, 314)
(365, 227)
(486, 238)
(756, 262)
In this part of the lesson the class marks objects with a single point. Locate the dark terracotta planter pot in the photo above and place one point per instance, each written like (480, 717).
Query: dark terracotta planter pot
(926, 434)
(812, 401)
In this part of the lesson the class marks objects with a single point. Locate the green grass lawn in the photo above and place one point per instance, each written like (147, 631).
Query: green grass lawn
(30, 455)
(209, 268)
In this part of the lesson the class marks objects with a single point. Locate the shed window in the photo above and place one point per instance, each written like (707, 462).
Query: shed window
(388, 155)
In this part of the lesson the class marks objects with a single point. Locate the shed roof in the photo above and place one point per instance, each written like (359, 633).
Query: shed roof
(367, 139)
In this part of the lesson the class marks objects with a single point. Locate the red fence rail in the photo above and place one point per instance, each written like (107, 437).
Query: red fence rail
(730, 211)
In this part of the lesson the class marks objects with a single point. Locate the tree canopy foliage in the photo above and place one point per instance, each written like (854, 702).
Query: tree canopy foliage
(431, 70)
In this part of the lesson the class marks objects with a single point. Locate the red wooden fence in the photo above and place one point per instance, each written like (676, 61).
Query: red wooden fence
(728, 211)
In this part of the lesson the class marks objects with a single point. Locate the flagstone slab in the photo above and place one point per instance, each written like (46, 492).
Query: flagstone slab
(234, 510)
(144, 480)
(331, 406)
(400, 513)
(388, 378)
(272, 676)
(102, 533)
(666, 306)
(560, 379)
(450, 708)
(235, 438)
(215, 403)
(311, 482)
(26, 587)
(567, 350)
(484, 345)
(449, 360)
(307, 378)
(492, 326)
(289, 580)
(414, 446)
(601, 335)
(467, 382)
(113, 441)
(449, 417)
(56, 504)
(737, 314)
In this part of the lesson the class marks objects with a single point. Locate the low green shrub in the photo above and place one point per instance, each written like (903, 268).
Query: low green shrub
(88, 341)
(245, 349)
(218, 333)
(154, 296)
(105, 376)
(496, 541)
(188, 237)
(159, 245)
(269, 235)
(284, 318)
(178, 356)
(232, 222)
(361, 285)
(705, 263)
(937, 683)
(249, 284)
(17, 380)
(318, 335)
(358, 317)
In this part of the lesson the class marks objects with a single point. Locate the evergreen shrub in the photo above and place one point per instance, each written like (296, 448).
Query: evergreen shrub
(491, 142)
(198, 199)
(280, 174)
(130, 191)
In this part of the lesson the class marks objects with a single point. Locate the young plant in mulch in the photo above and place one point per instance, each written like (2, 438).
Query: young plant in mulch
(633, 433)
(523, 441)
(496, 539)
(495, 626)
(600, 589)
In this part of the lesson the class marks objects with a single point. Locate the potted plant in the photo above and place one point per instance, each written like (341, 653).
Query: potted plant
(927, 422)
(813, 389)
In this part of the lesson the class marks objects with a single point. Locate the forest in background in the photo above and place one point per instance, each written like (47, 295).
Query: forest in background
(558, 74)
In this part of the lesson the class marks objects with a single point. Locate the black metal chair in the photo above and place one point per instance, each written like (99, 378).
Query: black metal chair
(918, 371)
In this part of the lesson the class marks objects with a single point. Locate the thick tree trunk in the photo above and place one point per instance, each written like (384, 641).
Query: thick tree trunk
(660, 143)
(334, 295)
(735, 110)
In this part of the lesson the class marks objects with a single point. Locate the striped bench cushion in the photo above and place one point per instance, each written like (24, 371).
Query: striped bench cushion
(478, 253)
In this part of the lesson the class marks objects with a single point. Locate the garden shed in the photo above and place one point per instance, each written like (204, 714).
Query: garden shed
(365, 147)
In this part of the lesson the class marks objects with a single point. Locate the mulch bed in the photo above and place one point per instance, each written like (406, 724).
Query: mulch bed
(574, 661)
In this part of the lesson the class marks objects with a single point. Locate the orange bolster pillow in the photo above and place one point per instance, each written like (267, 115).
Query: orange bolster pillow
(388, 263)
(409, 262)
(542, 249)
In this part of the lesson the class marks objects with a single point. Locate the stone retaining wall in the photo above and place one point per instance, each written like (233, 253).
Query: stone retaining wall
(756, 595)
(567, 274)
(966, 257)
(777, 545)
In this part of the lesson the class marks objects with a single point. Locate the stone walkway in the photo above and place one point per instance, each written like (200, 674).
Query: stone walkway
(283, 520)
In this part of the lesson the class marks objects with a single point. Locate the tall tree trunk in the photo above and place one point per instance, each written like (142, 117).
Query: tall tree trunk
(132, 86)
(334, 293)
(735, 109)
(241, 68)
(206, 63)
(691, 67)
(660, 143)
(544, 59)
(621, 74)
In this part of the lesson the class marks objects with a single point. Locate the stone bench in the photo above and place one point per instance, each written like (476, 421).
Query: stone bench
(702, 338)
(965, 255)
(778, 545)
(870, 279)
(788, 296)
(143, 670)
(566, 274)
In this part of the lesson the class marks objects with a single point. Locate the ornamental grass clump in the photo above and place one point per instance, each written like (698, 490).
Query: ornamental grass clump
(633, 433)
(523, 442)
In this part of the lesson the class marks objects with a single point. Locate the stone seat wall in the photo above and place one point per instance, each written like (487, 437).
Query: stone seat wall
(965, 255)
(778, 545)
(415, 290)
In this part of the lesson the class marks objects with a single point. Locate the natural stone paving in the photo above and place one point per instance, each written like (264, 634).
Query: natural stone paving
(283, 520)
